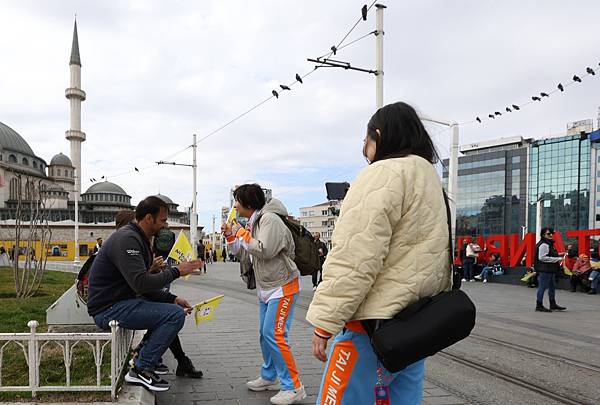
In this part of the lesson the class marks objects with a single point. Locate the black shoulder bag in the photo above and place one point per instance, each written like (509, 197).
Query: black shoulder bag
(425, 327)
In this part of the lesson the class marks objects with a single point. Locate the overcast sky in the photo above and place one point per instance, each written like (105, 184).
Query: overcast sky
(155, 72)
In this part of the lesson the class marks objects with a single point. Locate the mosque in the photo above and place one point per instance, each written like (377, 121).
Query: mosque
(27, 180)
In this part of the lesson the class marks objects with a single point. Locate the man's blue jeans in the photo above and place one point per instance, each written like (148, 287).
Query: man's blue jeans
(163, 320)
(595, 278)
(545, 282)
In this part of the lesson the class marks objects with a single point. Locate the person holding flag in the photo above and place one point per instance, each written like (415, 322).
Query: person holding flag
(122, 288)
(271, 248)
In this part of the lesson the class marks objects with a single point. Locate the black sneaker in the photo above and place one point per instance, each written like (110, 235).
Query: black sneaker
(185, 368)
(147, 379)
(542, 309)
(161, 369)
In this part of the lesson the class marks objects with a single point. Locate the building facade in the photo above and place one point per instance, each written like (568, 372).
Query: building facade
(320, 218)
(559, 175)
(492, 185)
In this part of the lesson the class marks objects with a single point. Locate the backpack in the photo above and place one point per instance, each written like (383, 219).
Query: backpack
(83, 277)
(306, 253)
(164, 241)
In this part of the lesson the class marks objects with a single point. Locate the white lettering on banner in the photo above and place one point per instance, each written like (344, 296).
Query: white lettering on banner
(340, 363)
(283, 314)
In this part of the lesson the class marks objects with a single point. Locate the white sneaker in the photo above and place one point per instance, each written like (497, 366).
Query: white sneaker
(289, 396)
(464, 279)
(260, 384)
(315, 288)
(478, 277)
(485, 281)
(471, 281)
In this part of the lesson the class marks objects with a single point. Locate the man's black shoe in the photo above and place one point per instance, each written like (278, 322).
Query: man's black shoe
(161, 369)
(185, 368)
(542, 309)
(555, 307)
(591, 291)
(147, 379)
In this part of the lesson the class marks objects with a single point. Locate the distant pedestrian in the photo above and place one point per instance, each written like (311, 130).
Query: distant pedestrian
(546, 265)
(317, 276)
(214, 256)
(581, 272)
(97, 247)
(271, 247)
(200, 251)
(390, 249)
(472, 252)
(224, 254)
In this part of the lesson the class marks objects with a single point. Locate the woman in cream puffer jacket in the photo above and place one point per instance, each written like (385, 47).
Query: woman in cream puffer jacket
(390, 248)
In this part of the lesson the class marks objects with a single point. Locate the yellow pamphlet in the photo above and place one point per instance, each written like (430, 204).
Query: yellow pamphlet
(528, 276)
(204, 311)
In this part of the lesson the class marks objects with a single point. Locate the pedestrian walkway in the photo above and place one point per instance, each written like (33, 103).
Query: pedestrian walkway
(226, 348)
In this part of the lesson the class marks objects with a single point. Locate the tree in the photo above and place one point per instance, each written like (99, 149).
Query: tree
(31, 225)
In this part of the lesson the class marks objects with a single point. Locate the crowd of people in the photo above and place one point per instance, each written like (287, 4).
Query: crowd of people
(372, 272)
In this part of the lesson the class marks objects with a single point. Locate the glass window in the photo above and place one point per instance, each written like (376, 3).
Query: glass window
(516, 159)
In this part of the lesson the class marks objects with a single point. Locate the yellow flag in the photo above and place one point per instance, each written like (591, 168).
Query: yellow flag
(595, 264)
(528, 276)
(204, 311)
(232, 215)
(567, 271)
(182, 250)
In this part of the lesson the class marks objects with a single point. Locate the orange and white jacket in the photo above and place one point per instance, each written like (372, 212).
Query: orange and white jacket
(390, 246)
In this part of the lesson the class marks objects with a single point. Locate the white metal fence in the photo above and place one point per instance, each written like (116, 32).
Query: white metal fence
(32, 344)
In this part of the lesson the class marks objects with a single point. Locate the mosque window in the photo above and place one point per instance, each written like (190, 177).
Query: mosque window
(34, 164)
(25, 161)
(58, 172)
(12, 159)
(14, 189)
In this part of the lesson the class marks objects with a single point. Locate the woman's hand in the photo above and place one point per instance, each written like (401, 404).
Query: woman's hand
(319, 348)
(158, 265)
(226, 229)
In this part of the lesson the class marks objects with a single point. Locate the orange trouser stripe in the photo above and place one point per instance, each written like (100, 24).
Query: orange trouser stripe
(283, 310)
(341, 363)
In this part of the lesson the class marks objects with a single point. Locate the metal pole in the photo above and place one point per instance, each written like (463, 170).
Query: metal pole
(194, 214)
(453, 177)
(379, 56)
(214, 240)
(76, 259)
(538, 219)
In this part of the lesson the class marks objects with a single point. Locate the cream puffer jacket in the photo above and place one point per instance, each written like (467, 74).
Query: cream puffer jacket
(390, 245)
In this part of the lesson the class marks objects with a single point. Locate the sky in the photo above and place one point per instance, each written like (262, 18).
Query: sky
(156, 72)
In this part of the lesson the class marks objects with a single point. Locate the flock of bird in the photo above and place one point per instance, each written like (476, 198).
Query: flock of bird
(575, 79)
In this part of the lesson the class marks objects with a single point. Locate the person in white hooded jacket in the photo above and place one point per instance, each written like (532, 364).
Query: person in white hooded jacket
(390, 248)
(271, 247)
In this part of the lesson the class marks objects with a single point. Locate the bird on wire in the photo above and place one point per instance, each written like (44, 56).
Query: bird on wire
(284, 87)
(478, 120)
(508, 109)
(576, 79)
(136, 169)
(590, 71)
(492, 116)
(535, 98)
(363, 11)
(101, 178)
(560, 87)
(497, 113)
(515, 107)
(334, 49)
(275, 94)
(544, 94)
(298, 78)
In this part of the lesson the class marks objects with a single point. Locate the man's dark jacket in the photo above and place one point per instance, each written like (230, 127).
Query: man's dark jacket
(120, 271)
(543, 267)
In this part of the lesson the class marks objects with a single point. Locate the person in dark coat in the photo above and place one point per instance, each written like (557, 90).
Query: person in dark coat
(546, 265)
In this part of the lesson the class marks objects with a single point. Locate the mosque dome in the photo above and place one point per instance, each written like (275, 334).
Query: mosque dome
(61, 160)
(12, 141)
(166, 199)
(105, 187)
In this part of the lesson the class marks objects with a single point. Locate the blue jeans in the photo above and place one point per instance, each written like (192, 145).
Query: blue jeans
(545, 282)
(162, 320)
(350, 375)
(595, 278)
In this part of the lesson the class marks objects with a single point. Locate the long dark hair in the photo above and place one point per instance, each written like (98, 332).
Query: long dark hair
(401, 133)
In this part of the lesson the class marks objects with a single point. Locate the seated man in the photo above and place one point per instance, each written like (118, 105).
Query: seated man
(493, 268)
(122, 288)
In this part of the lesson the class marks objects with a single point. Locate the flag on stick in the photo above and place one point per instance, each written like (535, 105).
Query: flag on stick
(204, 311)
(182, 250)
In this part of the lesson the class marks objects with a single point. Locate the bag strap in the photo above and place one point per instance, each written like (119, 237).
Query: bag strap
(450, 244)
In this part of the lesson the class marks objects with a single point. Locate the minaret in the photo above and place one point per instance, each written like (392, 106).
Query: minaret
(75, 96)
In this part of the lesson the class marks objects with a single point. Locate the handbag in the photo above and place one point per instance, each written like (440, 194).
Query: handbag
(424, 327)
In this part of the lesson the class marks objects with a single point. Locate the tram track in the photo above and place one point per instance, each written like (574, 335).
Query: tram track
(540, 389)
